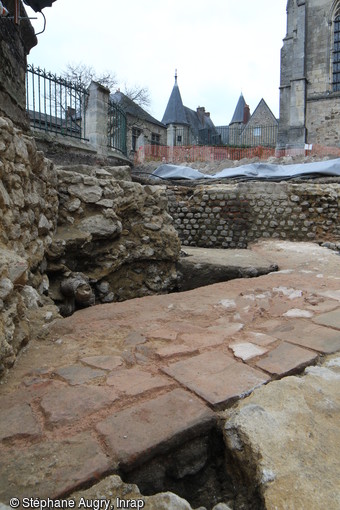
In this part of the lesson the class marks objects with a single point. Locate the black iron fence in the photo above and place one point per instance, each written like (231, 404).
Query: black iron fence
(55, 104)
(248, 135)
(116, 127)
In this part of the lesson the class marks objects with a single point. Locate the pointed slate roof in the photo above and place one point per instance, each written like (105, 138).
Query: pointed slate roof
(239, 110)
(175, 112)
(263, 105)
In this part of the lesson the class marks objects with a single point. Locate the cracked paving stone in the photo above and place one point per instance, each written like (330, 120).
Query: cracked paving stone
(216, 377)
(138, 433)
(51, 469)
(286, 358)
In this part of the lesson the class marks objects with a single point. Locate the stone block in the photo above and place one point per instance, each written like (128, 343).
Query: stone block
(286, 359)
(60, 467)
(216, 377)
(138, 433)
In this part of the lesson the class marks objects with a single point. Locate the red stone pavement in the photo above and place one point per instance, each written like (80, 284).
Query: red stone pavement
(114, 385)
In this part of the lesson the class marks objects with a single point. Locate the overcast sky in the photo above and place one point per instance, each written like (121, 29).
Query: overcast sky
(219, 47)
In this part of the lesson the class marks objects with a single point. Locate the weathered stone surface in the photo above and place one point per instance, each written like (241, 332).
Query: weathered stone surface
(286, 437)
(170, 420)
(331, 319)
(135, 381)
(315, 337)
(28, 216)
(286, 358)
(64, 405)
(18, 421)
(78, 374)
(247, 350)
(105, 237)
(100, 227)
(202, 266)
(216, 377)
(118, 493)
(60, 466)
(103, 362)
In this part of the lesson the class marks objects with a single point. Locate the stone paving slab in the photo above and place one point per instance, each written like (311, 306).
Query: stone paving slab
(103, 362)
(331, 319)
(137, 433)
(64, 405)
(216, 377)
(286, 359)
(126, 381)
(306, 334)
(135, 381)
(18, 421)
(52, 468)
(247, 350)
(78, 374)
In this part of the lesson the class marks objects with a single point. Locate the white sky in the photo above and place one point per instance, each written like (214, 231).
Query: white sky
(219, 47)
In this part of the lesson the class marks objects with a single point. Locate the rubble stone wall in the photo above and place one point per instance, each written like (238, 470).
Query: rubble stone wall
(28, 212)
(115, 239)
(233, 215)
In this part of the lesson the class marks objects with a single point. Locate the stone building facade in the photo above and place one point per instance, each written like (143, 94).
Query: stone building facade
(250, 130)
(185, 126)
(310, 74)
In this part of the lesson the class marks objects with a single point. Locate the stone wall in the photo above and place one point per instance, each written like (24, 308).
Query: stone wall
(115, 239)
(28, 212)
(309, 105)
(233, 215)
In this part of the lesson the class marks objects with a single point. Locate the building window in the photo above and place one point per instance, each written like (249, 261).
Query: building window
(257, 131)
(179, 138)
(155, 139)
(135, 135)
(336, 55)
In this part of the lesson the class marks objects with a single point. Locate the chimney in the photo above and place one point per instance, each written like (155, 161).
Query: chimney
(200, 112)
(207, 114)
(246, 114)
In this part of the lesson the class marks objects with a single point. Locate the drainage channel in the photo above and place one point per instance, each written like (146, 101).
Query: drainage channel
(201, 471)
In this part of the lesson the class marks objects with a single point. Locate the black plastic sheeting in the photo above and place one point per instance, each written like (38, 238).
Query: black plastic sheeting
(258, 171)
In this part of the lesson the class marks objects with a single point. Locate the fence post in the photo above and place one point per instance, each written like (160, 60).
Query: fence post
(97, 116)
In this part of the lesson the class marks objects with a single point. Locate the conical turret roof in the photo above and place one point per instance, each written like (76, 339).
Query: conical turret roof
(175, 112)
(239, 110)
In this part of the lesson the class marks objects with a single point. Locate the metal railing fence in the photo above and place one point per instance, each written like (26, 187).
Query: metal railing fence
(248, 135)
(55, 104)
(117, 127)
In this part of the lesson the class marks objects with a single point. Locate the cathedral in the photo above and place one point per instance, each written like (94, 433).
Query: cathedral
(310, 75)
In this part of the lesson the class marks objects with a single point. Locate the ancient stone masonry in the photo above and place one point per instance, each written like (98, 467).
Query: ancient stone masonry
(28, 212)
(115, 239)
(232, 215)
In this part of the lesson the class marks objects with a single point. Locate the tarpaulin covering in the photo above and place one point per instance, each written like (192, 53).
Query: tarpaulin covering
(256, 171)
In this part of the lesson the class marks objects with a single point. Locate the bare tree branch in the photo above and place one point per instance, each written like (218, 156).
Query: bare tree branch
(83, 74)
